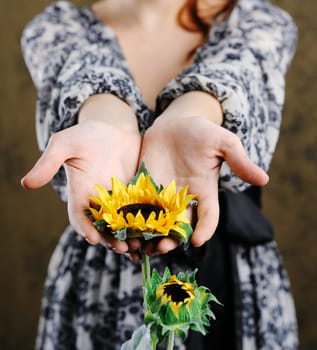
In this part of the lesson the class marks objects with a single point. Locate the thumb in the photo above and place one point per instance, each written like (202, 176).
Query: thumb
(46, 166)
(239, 162)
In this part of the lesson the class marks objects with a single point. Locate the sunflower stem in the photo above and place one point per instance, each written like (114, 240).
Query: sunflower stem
(170, 340)
(146, 269)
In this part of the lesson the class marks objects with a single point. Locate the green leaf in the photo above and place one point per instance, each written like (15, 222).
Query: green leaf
(167, 274)
(192, 277)
(181, 333)
(188, 232)
(210, 314)
(193, 202)
(149, 318)
(167, 315)
(182, 276)
(184, 316)
(148, 235)
(121, 234)
(100, 225)
(188, 229)
(198, 327)
(155, 305)
(133, 233)
(141, 340)
(156, 334)
(143, 170)
(156, 278)
(195, 308)
(214, 299)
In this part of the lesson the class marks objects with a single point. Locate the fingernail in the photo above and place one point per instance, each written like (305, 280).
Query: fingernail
(134, 257)
(22, 183)
(90, 241)
(108, 246)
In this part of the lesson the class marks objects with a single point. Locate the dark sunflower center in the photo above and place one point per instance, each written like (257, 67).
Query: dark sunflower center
(145, 208)
(176, 293)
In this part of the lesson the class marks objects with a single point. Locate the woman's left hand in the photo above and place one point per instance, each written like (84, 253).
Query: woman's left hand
(190, 150)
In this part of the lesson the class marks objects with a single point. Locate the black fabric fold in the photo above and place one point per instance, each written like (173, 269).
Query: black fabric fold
(241, 222)
(241, 218)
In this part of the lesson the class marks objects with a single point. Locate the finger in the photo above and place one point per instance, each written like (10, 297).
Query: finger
(47, 165)
(85, 229)
(208, 217)
(83, 225)
(239, 162)
(114, 244)
(166, 245)
(134, 257)
(161, 246)
(93, 237)
(134, 244)
(150, 247)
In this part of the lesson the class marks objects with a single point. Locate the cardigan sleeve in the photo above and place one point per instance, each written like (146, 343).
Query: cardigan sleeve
(48, 40)
(71, 56)
(243, 64)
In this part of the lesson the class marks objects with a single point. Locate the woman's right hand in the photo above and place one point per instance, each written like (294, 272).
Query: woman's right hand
(92, 152)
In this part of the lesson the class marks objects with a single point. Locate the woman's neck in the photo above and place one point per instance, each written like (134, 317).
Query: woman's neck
(145, 14)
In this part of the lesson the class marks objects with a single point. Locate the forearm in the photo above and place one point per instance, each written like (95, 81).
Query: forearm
(108, 108)
(195, 104)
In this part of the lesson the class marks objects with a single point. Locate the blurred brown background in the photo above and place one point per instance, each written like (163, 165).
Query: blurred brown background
(32, 221)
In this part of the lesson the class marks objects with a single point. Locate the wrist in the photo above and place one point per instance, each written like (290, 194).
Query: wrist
(194, 104)
(109, 109)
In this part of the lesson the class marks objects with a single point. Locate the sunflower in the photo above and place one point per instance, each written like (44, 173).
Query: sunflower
(142, 209)
(177, 293)
(177, 304)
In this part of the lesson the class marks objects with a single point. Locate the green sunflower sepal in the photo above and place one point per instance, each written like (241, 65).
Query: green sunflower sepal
(176, 304)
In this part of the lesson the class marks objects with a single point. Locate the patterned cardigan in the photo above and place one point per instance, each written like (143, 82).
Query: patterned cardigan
(92, 295)
(72, 55)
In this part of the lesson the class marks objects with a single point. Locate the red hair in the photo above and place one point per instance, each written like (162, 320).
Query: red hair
(195, 19)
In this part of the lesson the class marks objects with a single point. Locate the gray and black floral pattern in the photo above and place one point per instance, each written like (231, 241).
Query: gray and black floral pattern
(92, 296)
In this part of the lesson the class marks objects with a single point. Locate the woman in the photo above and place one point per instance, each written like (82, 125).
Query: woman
(184, 86)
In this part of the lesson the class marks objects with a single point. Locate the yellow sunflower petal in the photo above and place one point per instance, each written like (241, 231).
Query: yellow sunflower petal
(169, 192)
(117, 186)
(103, 194)
(182, 217)
(119, 206)
(97, 214)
